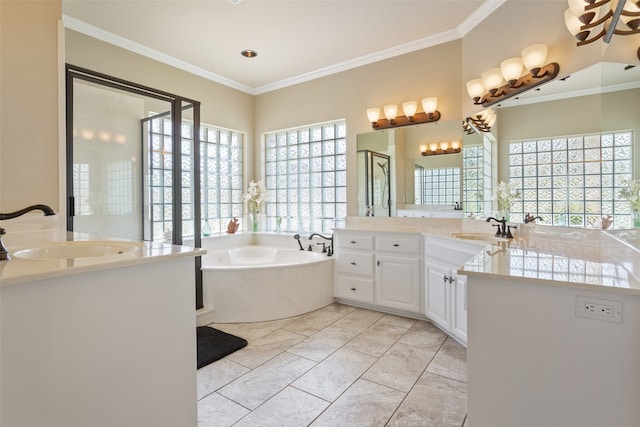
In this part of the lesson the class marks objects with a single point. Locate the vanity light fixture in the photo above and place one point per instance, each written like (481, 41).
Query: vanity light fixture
(410, 117)
(583, 16)
(440, 148)
(483, 121)
(498, 84)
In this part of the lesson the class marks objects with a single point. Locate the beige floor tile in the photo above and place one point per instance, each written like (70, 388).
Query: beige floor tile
(400, 367)
(289, 408)
(335, 374)
(255, 330)
(218, 374)
(320, 345)
(218, 411)
(313, 322)
(399, 321)
(450, 361)
(259, 385)
(264, 348)
(434, 401)
(339, 308)
(363, 404)
(377, 339)
(359, 319)
(424, 335)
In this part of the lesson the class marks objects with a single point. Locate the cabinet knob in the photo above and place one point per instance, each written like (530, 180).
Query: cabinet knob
(395, 245)
(353, 242)
(353, 263)
(353, 289)
(448, 279)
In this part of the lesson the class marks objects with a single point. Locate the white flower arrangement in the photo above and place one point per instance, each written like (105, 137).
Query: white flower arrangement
(631, 192)
(506, 193)
(255, 196)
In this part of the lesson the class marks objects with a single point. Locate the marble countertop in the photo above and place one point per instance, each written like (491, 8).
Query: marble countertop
(555, 256)
(21, 270)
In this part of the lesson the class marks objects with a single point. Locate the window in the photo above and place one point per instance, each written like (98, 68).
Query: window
(476, 161)
(81, 188)
(306, 175)
(572, 181)
(221, 175)
(437, 186)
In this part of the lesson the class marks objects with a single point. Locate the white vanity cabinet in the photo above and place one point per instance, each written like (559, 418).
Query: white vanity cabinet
(445, 290)
(397, 275)
(379, 269)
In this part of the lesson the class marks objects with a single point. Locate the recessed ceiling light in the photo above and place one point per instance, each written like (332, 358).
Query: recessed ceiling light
(249, 53)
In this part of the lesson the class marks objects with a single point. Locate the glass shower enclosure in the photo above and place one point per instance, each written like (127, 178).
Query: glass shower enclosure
(374, 183)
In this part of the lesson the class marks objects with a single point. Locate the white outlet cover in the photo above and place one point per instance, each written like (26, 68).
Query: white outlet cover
(615, 307)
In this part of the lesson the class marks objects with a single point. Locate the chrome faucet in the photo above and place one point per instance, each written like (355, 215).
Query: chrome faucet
(330, 239)
(44, 208)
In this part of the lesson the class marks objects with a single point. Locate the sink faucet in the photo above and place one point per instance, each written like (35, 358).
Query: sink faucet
(44, 208)
(330, 239)
(530, 218)
(504, 230)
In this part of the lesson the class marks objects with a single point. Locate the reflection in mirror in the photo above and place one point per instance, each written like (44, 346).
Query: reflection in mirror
(374, 183)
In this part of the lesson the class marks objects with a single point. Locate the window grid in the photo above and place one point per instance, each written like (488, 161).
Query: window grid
(439, 186)
(119, 188)
(476, 179)
(418, 172)
(572, 181)
(307, 178)
(81, 188)
(221, 176)
(161, 182)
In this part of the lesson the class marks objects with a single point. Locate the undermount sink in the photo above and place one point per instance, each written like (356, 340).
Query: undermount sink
(79, 250)
(478, 237)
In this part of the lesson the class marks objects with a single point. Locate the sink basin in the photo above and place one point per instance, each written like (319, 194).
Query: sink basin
(481, 237)
(79, 250)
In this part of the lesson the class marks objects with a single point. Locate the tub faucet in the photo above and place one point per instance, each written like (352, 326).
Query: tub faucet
(4, 253)
(330, 239)
(44, 208)
(297, 237)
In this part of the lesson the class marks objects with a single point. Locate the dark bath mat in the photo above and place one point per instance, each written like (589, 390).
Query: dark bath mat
(214, 344)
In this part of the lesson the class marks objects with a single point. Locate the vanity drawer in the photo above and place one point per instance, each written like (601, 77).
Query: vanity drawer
(355, 263)
(398, 244)
(355, 241)
(354, 288)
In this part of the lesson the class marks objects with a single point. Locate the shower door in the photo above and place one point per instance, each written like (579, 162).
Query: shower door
(374, 176)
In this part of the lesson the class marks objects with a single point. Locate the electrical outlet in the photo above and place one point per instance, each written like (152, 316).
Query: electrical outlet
(600, 309)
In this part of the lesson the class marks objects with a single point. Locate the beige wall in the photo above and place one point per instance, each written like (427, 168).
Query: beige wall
(30, 78)
(29, 104)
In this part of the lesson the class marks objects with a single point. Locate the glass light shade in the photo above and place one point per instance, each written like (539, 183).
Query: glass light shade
(429, 104)
(87, 133)
(511, 68)
(423, 148)
(630, 7)
(492, 120)
(433, 146)
(444, 145)
(572, 22)
(534, 56)
(577, 6)
(455, 144)
(475, 88)
(492, 78)
(391, 111)
(373, 114)
(485, 115)
(410, 108)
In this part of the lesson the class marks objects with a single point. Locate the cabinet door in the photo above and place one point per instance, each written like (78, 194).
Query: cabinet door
(437, 294)
(459, 306)
(398, 283)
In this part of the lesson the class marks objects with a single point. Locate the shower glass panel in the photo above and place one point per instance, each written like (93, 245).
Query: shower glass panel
(106, 163)
(374, 183)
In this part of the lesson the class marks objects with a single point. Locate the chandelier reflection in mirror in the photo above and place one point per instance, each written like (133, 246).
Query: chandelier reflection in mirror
(591, 20)
(410, 117)
(498, 84)
(440, 148)
(481, 122)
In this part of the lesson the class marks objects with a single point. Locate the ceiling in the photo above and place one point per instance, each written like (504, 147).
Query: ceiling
(296, 40)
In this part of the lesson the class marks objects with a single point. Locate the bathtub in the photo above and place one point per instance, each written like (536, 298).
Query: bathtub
(252, 278)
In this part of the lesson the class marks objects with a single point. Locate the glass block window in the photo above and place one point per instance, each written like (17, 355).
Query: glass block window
(81, 188)
(119, 188)
(477, 178)
(221, 176)
(306, 174)
(438, 186)
(418, 172)
(161, 178)
(573, 181)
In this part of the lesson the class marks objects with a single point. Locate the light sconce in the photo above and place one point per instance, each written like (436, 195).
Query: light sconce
(483, 121)
(498, 84)
(440, 148)
(410, 117)
(583, 16)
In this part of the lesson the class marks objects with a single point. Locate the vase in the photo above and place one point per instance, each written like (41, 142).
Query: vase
(636, 218)
(504, 213)
(254, 221)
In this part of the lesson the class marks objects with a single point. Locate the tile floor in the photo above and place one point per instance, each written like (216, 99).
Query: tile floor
(337, 366)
